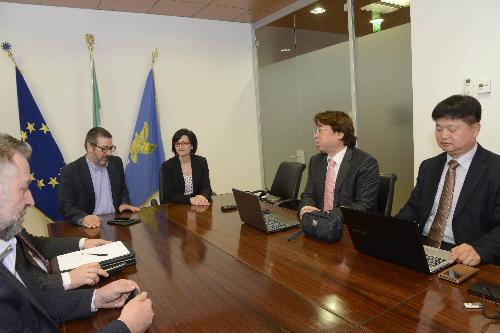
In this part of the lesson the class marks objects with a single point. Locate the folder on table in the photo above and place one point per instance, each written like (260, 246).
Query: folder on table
(112, 257)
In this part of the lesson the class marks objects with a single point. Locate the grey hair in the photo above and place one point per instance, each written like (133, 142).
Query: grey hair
(8, 147)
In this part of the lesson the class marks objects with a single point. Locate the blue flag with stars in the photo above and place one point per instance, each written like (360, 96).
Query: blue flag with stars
(146, 150)
(46, 160)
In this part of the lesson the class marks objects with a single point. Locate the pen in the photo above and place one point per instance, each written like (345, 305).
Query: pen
(95, 254)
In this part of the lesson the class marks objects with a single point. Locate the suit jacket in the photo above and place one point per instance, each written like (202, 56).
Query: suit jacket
(356, 185)
(30, 309)
(49, 248)
(173, 181)
(476, 220)
(76, 191)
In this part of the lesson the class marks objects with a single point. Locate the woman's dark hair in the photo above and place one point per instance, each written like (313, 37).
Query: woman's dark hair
(191, 136)
(462, 107)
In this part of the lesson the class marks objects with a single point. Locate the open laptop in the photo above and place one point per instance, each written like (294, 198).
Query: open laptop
(252, 213)
(392, 239)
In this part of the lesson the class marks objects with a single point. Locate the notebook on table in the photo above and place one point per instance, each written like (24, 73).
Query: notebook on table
(392, 239)
(251, 212)
(112, 257)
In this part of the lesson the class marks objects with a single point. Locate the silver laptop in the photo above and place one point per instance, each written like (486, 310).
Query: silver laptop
(252, 213)
(392, 239)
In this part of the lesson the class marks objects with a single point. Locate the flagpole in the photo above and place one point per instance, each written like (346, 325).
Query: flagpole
(154, 58)
(7, 47)
(90, 45)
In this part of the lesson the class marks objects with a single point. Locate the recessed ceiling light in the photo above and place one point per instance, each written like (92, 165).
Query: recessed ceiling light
(286, 50)
(318, 10)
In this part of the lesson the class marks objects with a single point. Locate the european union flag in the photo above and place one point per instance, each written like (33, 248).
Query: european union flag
(146, 150)
(46, 160)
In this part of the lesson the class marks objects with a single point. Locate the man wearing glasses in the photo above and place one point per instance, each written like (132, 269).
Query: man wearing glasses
(341, 174)
(94, 184)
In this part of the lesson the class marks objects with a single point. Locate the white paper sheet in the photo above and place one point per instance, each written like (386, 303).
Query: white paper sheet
(72, 260)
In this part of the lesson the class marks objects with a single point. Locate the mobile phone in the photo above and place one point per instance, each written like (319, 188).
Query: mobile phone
(124, 221)
(134, 293)
(479, 289)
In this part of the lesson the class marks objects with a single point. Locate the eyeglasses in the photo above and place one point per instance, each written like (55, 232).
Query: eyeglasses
(105, 149)
(182, 144)
(487, 293)
(317, 130)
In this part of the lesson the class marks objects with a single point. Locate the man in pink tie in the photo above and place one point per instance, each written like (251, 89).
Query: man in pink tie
(341, 174)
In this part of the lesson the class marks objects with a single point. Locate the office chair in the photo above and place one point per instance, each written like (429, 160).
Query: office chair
(285, 187)
(386, 193)
(162, 189)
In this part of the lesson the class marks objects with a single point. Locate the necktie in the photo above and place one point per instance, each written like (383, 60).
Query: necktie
(436, 232)
(329, 185)
(28, 247)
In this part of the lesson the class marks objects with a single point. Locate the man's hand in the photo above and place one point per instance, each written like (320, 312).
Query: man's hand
(307, 209)
(465, 254)
(93, 242)
(91, 221)
(138, 313)
(86, 274)
(114, 294)
(199, 200)
(128, 207)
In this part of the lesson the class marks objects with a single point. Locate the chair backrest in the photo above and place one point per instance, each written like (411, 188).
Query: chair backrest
(386, 193)
(286, 182)
(162, 189)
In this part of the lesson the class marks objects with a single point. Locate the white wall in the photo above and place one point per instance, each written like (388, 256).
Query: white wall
(452, 40)
(205, 81)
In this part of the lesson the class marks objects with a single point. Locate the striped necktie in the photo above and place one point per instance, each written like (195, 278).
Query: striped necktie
(435, 236)
(28, 247)
(329, 186)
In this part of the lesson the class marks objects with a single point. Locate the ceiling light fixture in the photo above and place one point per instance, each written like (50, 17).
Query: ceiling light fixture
(376, 21)
(318, 10)
(286, 50)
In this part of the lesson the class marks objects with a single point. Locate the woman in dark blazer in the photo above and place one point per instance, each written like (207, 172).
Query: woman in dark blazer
(185, 176)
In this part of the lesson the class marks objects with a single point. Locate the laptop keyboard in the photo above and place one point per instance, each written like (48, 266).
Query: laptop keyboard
(434, 261)
(274, 224)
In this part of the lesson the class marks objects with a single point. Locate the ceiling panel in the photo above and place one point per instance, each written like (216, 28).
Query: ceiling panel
(250, 16)
(221, 13)
(31, 2)
(142, 6)
(176, 8)
(86, 4)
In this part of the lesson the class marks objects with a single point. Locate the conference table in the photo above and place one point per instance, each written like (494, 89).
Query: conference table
(206, 271)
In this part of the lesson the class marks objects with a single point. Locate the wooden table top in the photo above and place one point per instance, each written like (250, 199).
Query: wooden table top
(206, 271)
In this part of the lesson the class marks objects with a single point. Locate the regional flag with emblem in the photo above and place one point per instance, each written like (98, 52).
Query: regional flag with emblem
(146, 150)
(46, 160)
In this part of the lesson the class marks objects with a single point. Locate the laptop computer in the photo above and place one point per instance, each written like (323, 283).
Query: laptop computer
(391, 239)
(252, 213)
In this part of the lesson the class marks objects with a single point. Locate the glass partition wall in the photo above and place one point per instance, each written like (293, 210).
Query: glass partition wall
(304, 67)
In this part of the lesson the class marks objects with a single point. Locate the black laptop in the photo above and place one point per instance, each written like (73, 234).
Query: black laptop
(391, 239)
(252, 213)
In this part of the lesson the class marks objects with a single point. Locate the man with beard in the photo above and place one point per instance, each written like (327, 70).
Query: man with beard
(94, 184)
(24, 307)
(341, 174)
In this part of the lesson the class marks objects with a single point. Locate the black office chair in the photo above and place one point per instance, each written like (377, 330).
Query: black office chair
(386, 193)
(162, 189)
(285, 188)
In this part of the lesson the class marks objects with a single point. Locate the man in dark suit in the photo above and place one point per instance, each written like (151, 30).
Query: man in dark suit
(24, 307)
(34, 252)
(341, 174)
(456, 201)
(94, 184)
